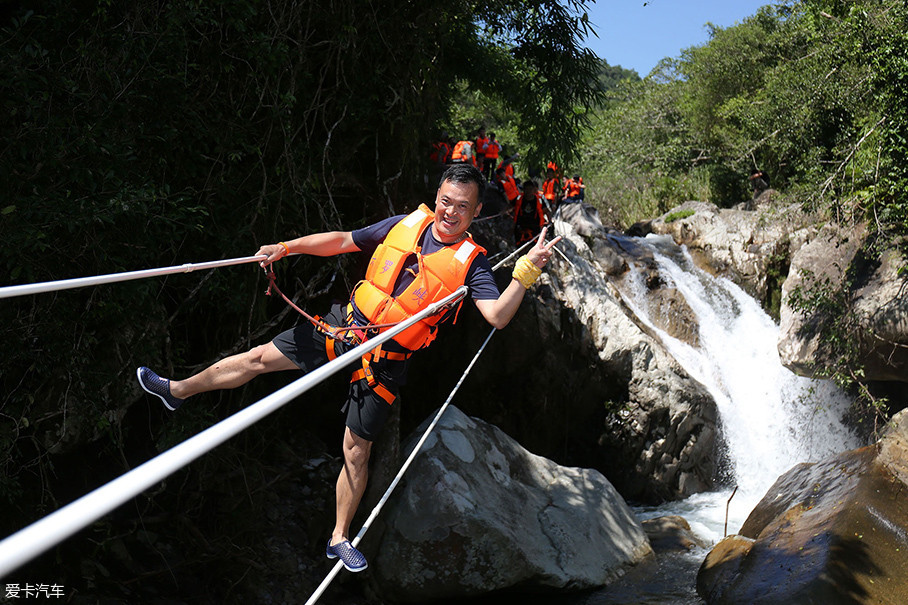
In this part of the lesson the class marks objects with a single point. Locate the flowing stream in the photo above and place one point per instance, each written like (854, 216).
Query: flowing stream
(771, 419)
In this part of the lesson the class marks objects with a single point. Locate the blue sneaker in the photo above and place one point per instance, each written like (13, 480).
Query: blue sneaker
(160, 387)
(352, 559)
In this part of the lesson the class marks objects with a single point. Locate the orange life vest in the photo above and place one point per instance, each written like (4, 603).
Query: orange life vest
(492, 150)
(481, 144)
(510, 188)
(463, 152)
(573, 188)
(440, 274)
(440, 152)
(548, 189)
(508, 168)
(518, 208)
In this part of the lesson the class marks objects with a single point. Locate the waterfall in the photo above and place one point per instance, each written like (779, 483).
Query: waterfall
(771, 419)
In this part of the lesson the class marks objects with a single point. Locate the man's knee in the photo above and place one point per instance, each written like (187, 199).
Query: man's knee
(356, 449)
(267, 358)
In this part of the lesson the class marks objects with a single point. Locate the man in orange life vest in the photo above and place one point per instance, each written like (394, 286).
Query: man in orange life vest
(508, 186)
(463, 153)
(551, 189)
(412, 256)
(480, 149)
(574, 190)
(441, 151)
(529, 215)
(493, 151)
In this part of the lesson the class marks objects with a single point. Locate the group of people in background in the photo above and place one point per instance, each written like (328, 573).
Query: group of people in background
(484, 152)
(532, 207)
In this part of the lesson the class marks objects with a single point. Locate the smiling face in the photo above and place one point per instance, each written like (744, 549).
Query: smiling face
(456, 205)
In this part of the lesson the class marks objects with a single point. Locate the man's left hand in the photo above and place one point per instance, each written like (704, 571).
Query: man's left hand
(542, 251)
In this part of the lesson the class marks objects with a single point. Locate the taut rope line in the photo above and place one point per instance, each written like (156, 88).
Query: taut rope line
(27, 543)
(79, 282)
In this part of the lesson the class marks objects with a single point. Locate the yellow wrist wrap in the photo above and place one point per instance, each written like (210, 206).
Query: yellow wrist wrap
(526, 272)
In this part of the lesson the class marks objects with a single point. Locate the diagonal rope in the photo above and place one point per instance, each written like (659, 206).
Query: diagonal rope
(403, 469)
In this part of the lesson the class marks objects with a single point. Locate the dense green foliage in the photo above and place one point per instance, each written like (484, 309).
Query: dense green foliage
(137, 135)
(473, 108)
(811, 92)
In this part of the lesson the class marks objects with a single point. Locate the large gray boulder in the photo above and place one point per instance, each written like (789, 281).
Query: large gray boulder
(478, 513)
(833, 532)
(880, 307)
(818, 269)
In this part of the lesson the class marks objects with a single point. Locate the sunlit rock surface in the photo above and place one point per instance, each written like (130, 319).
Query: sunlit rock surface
(831, 532)
(478, 513)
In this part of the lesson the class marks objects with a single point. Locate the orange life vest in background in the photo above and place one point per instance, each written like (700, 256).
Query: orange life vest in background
(481, 144)
(508, 168)
(492, 150)
(440, 274)
(510, 188)
(440, 152)
(463, 152)
(573, 188)
(548, 189)
(523, 213)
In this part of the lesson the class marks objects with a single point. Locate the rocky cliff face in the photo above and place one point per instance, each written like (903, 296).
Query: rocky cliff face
(577, 379)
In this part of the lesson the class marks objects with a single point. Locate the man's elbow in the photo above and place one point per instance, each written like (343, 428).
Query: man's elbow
(499, 323)
(499, 320)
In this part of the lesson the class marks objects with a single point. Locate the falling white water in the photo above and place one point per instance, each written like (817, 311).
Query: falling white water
(771, 419)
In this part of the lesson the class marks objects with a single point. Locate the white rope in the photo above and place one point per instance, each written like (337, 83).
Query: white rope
(403, 469)
(66, 284)
(27, 543)
(22, 546)
(511, 255)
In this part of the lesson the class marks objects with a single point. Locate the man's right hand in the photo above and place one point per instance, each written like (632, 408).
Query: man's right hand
(273, 251)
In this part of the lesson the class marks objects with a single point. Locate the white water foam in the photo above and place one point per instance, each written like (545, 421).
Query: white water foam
(771, 419)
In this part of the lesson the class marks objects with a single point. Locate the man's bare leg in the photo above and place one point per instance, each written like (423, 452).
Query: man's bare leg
(233, 371)
(351, 483)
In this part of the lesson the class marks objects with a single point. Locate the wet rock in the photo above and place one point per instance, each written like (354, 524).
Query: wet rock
(671, 533)
(478, 513)
(830, 532)
(661, 443)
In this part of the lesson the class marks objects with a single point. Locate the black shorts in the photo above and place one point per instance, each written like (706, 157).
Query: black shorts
(366, 409)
